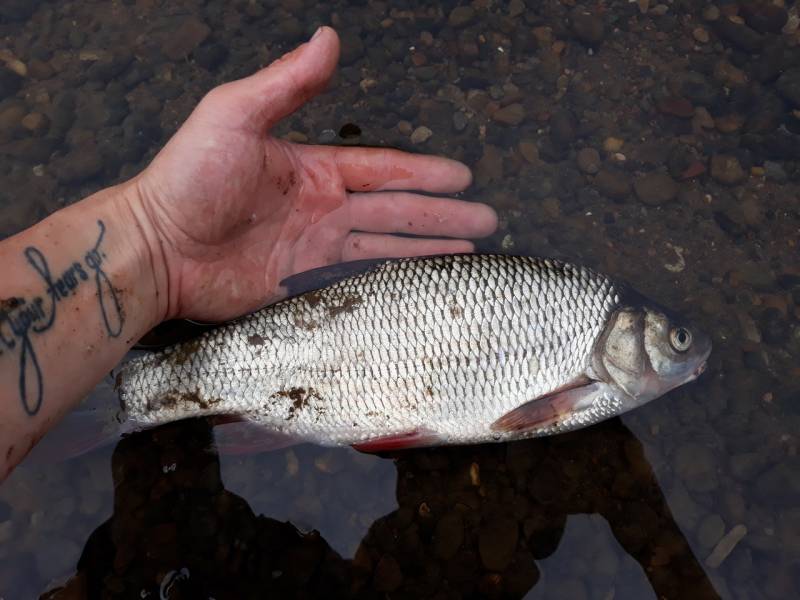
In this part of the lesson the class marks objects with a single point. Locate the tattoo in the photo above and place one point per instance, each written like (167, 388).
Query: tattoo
(21, 319)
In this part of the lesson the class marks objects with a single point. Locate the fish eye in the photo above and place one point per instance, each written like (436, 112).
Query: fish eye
(680, 338)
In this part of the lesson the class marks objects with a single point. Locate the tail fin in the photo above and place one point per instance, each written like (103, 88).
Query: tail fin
(96, 422)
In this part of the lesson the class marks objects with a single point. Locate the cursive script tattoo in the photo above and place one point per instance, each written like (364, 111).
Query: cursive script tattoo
(23, 319)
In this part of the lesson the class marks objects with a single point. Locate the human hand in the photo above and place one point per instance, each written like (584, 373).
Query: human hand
(229, 211)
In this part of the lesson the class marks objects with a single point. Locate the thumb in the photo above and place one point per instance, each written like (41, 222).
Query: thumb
(264, 98)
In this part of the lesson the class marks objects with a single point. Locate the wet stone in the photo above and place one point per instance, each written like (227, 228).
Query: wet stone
(10, 83)
(588, 160)
(735, 31)
(676, 107)
(765, 17)
(780, 485)
(697, 89)
(788, 85)
(655, 189)
(421, 135)
(210, 56)
(388, 575)
(448, 536)
(563, 128)
(587, 27)
(352, 47)
(613, 183)
(497, 542)
(513, 114)
(460, 121)
(189, 35)
(774, 328)
(696, 466)
(79, 165)
(727, 170)
(711, 530)
(461, 16)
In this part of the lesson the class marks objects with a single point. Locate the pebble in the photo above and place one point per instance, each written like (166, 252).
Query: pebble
(497, 543)
(513, 114)
(710, 531)
(774, 171)
(613, 183)
(729, 123)
(448, 535)
(696, 466)
(725, 546)
(352, 47)
(612, 144)
(529, 151)
(405, 127)
(210, 56)
(38, 69)
(421, 135)
(461, 16)
(326, 136)
(764, 16)
(588, 160)
(563, 127)
(587, 27)
(735, 31)
(727, 170)
(388, 576)
(36, 123)
(79, 165)
(189, 35)
(655, 189)
(698, 89)
(774, 328)
(11, 120)
(780, 485)
(10, 83)
(460, 121)
(711, 13)
(703, 118)
(676, 106)
(788, 85)
(700, 34)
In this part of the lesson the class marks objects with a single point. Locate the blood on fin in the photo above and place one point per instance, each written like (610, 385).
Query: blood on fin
(399, 441)
(548, 409)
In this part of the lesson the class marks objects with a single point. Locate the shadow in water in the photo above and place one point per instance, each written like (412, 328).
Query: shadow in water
(481, 521)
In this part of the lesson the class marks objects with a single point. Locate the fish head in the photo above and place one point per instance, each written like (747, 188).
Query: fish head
(646, 351)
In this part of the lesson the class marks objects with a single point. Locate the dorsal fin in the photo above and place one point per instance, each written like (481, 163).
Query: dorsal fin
(315, 279)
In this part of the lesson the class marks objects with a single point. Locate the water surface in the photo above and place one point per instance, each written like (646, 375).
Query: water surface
(659, 143)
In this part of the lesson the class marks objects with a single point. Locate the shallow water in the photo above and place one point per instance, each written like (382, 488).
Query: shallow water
(658, 143)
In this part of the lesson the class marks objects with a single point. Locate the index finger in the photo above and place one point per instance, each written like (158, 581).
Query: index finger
(373, 169)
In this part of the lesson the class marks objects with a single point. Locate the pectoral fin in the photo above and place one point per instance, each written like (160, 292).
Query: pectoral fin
(550, 408)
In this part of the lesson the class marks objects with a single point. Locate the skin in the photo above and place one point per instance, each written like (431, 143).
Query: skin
(207, 232)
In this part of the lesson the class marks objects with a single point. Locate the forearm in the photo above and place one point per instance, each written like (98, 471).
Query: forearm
(77, 291)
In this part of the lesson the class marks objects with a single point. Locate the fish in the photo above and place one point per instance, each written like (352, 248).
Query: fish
(400, 353)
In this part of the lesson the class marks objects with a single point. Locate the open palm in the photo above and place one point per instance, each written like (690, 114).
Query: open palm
(236, 211)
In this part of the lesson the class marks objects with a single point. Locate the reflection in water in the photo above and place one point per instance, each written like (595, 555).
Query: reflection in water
(500, 520)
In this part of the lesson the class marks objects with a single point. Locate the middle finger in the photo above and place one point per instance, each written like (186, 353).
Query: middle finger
(405, 212)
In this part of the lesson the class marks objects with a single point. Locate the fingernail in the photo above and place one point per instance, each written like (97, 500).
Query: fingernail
(316, 33)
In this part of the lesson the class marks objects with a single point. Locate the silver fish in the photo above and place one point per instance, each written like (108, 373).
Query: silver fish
(426, 351)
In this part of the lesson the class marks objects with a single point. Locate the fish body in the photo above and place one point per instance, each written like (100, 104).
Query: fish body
(422, 351)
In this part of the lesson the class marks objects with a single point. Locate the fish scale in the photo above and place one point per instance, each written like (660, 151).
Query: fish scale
(448, 344)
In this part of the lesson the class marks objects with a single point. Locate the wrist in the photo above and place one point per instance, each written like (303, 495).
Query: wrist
(147, 252)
